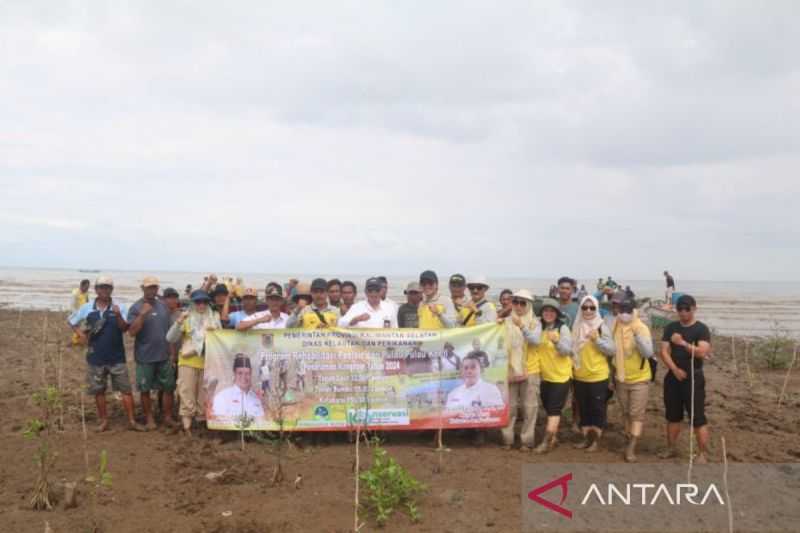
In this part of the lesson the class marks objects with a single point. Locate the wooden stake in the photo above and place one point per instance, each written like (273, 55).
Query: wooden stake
(44, 352)
(356, 526)
(733, 354)
(747, 348)
(691, 422)
(60, 389)
(786, 379)
(725, 484)
(85, 434)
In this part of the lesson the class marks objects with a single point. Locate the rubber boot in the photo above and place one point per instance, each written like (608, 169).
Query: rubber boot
(630, 450)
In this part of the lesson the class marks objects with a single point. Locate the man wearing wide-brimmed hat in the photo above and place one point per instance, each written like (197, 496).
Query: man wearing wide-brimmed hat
(478, 310)
(150, 320)
(100, 324)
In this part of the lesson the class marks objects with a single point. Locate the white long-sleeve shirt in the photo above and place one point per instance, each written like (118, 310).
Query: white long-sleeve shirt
(377, 315)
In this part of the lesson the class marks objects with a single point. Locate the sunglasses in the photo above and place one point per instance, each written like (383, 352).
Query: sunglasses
(475, 288)
(684, 308)
(519, 302)
(588, 308)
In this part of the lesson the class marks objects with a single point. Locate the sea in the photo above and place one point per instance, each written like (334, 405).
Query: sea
(749, 308)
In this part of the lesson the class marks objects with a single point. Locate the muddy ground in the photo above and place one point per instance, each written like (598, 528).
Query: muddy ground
(159, 483)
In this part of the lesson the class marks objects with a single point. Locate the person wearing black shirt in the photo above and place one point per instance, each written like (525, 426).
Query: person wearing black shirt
(683, 340)
(407, 316)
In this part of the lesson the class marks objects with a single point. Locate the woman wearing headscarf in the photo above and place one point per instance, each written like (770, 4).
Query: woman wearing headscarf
(632, 361)
(591, 345)
(191, 328)
(523, 371)
(553, 347)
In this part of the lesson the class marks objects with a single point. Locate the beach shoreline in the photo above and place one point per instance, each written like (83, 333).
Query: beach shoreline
(159, 479)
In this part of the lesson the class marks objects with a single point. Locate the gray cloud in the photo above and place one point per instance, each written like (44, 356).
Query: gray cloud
(531, 139)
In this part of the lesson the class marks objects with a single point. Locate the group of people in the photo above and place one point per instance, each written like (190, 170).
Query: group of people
(568, 348)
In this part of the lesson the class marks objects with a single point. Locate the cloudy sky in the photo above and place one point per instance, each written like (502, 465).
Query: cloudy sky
(529, 139)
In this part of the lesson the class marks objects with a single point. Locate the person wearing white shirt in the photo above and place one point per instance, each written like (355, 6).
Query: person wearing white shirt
(385, 291)
(239, 399)
(474, 392)
(272, 318)
(372, 312)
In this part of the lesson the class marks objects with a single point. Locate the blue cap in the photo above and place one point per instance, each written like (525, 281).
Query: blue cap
(200, 295)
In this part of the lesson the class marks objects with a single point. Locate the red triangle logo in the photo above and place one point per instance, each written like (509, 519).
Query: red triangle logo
(562, 482)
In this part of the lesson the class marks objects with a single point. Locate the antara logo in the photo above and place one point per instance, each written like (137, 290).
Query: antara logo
(645, 494)
(562, 482)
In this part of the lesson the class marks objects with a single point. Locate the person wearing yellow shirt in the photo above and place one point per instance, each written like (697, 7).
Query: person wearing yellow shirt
(634, 360)
(80, 296)
(478, 310)
(592, 344)
(191, 328)
(316, 315)
(553, 346)
(523, 372)
(435, 311)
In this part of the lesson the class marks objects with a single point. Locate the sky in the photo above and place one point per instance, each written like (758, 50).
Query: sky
(514, 139)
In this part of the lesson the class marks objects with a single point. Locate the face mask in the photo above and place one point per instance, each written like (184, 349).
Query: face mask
(625, 317)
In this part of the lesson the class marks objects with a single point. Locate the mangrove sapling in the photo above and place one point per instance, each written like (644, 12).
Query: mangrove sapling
(277, 403)
(775, 350)
(48, 400)
(103, 479)
(359, 420)
(786, 378)
(390, 487)
(243, 423)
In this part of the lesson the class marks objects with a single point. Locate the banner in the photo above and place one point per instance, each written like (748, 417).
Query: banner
(336, 379)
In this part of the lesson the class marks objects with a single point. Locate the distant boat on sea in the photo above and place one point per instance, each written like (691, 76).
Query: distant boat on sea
(88, 270)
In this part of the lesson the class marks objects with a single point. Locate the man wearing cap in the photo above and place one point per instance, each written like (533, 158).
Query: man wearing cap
(239, 400)
(317, 315)
(149, 320)
(272, 318)
(435, 311)
(100, 324)
(349, 292)
(372, 312)
(249, 301)
(478, 310)
(685, 340)
(407, 313)
(458, 291)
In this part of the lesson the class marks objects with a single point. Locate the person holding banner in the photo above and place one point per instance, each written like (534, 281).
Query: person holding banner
(592, 344)
(523, 372)
(435, 311)
(372, 312)
(349, 292)
(316, 315)
(408, 313)
(272, 318)
(239, 401)
(191, 327)
(553, 346)
(248, 311)
(478, 310)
